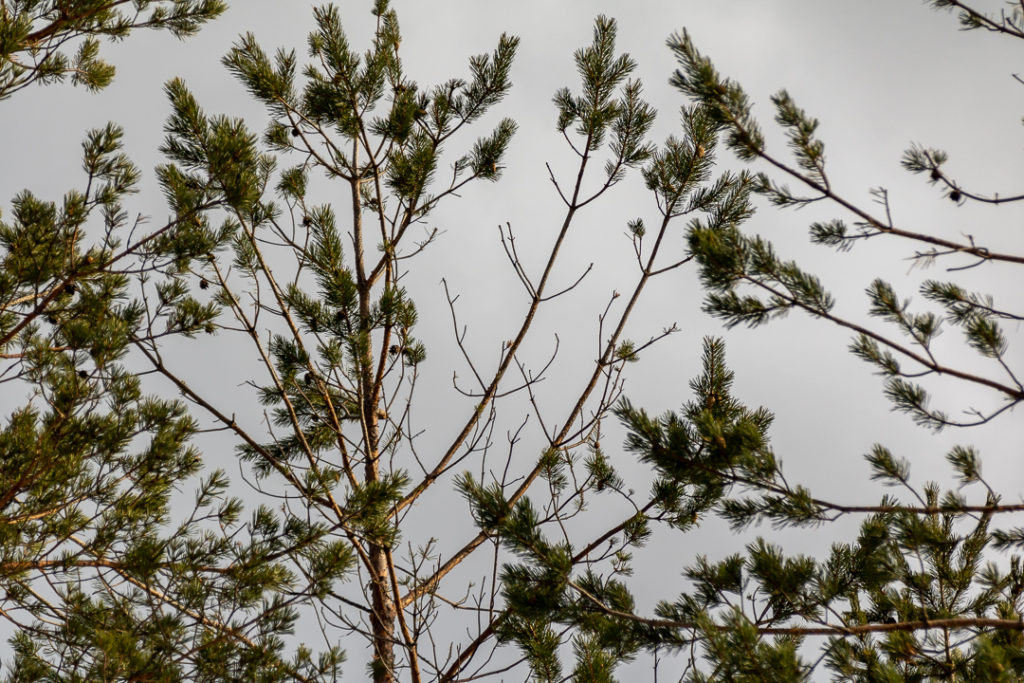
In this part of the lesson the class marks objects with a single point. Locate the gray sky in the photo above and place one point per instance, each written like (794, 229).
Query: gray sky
(879, 74)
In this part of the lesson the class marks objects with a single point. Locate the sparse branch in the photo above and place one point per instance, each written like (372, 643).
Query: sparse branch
(803, 631)
(509, 245)
(1013, 393)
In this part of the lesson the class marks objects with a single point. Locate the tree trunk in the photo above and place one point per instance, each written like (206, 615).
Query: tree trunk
(382, 620)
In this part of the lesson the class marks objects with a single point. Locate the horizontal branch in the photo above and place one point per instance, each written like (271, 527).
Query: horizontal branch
(956, 623)
(17, 566)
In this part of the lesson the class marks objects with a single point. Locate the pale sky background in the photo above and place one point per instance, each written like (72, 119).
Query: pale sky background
(879, 74)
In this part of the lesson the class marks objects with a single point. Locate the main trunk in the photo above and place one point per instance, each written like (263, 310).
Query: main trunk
(382, 620)
(383, 616)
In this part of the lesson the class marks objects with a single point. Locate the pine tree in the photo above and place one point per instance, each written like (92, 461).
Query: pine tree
(316, 291)
(38, 33)
(108, 570)
(294, 247)
(923, 592)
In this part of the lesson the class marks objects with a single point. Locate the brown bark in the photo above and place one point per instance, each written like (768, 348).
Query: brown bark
(383, 610)
(382, 618)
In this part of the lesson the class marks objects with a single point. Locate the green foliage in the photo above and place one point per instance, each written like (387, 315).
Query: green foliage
(346, 343)
(1007, 22)
(102, 585)
(919, 594)
(881, 596)
(728, 107)
(748, 283)
(35, 36)
(597, 110)
(107, 575)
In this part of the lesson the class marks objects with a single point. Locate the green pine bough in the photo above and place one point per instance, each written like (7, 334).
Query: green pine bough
(292, 247)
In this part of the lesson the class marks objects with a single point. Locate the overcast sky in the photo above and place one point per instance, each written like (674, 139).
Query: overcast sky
(879, 74)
